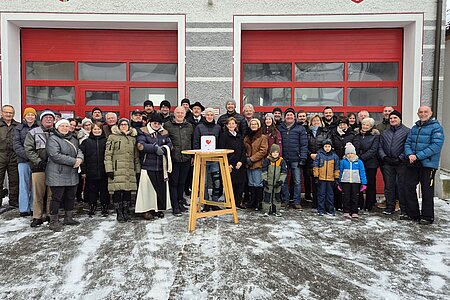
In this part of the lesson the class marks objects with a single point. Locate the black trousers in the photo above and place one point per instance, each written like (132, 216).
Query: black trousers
(394, 182)
(371, 191)
(180, 171)
(424, 176)
(350, 194)
(238, 180)
(122, 196)
(62, 194)
(307, 173)
(157, 179)
(96, 188)
(8, 163)
(80, 188)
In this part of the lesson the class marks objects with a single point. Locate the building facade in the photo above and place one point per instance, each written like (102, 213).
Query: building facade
(349, 54)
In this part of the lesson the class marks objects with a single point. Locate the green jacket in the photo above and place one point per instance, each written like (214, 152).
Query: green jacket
(272, 172)
(122, 158)
(181, 138)
(6, 140)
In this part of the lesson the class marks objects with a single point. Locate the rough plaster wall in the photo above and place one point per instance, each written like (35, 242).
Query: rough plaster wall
(445, 109)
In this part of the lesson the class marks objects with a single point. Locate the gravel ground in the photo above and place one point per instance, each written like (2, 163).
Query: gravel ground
(298, 256)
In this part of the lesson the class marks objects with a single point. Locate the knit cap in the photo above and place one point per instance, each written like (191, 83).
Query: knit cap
(47, 112)
(327, 142)
(396, 113)
(289, 110)
(60, 122)
(148, 103)
(349, 148)
(274, 148)
(29, 110)
(86, 120)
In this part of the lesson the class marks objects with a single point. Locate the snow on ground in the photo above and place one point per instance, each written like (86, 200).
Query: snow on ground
(299, 256)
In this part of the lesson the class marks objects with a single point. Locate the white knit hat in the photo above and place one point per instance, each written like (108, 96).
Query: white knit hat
(349, 148)
(60, 122)
(86, 120)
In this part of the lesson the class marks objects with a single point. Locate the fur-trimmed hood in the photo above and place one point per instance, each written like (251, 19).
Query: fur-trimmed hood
(131, 132)
(372, 131)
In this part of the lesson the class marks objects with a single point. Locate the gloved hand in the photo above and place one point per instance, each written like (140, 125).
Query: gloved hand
(77, 163)
(363, 188)
(279, 183)
(159, 150)
(110, 175)
(302, 162)
(42, 164)
(249, 162)
(316, 180)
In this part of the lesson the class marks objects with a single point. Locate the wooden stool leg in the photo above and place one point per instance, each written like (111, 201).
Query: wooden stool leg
(229, 194)
(194, 196)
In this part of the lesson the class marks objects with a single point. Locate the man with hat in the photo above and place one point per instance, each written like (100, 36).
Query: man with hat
(34, 145)
(295, 151)
(149, 110)
(21, 131)
(394, 166)
(196, 117)
(97, 115)
(186, 103)
(164, 109)
(8, 158)
(136, 119)
(230, 106)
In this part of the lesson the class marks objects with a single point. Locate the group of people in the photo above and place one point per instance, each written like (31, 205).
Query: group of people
(51, 162)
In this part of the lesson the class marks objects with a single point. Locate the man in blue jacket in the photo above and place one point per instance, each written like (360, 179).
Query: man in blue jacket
(295, 140)
(394, 165)
(423, 150)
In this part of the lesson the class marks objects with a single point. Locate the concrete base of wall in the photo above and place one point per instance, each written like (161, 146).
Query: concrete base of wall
(442, 187)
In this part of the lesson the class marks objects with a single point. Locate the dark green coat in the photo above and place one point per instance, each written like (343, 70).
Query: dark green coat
(272, 172)
(181, 137)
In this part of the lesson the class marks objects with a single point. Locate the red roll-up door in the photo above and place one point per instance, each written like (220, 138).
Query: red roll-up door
(349, 70)
(52, 59)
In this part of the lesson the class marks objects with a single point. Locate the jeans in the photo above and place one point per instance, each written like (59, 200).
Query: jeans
(255, 178)
(295, 171)
(25, 191)
(213, 169)
(325, 196)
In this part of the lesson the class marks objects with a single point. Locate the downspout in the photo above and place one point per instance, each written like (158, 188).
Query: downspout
(437, 57)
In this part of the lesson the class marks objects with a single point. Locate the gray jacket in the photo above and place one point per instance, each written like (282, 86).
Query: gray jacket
(62, 154)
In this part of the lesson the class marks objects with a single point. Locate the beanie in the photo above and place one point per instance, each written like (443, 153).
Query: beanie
(396, 113)
(274, 148)
(148, 102)
(269, 115)
(47, 112)
(29, 110)
(96, 108)
(277, 109)
(257, 121)
(349, 148)
(289, 110)
(327, 142)
(156, 118)
(165, 103)
(86, 120)
(185, 100)
(123, 120)
(60, 122)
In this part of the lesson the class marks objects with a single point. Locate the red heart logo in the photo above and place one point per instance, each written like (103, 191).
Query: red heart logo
(208, 142)
(357, 1)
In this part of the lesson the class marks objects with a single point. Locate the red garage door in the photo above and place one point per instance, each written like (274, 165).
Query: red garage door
(349, 70)
(74, 71)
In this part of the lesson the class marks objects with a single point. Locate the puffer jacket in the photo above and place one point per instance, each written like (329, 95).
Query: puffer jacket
(352, 171)
(242, 122)
(233, 142)
(340, 138)
(149, 139)
(62, 153)
(272, 172)
(426, 141)
(205, 128)
(392, 142)
(34, 145)
(181, 138)
(20, 132)
(326, 166)
(315, 142)
(366, 145)
(93, 149)
(274, 139)
(122, 158)
(6, 138)
(295, 142)
(256, 147)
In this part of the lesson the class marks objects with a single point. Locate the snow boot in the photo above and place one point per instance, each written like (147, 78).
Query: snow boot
(104, 210)
(54, 223)
(36, 222)
(92, 209)
(258, 191)
(266, 208)
(126, 210)
(277, 209)
(68, 219)
(119, 211)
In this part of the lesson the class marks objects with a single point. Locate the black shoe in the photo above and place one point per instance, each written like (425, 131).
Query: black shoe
(176, 213)
(36, 223)
(105, 210)
(182, 208)
(47, 219)
(25, 214)
(388, 212)
(92, 209)
(3, 193)
(206, 208)
(425, 222)
(160, 214)
(215, 208)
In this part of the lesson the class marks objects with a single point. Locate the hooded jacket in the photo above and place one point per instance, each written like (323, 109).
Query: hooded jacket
(326, 166)
(426, 141)
(352, 171)
(273, 171)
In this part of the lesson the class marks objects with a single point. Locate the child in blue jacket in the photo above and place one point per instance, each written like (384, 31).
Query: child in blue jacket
(353, 181)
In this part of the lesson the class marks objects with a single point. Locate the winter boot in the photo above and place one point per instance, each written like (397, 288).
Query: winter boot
(36, 222)
(54, 223)
(259, 191)
(119, 211)
(68, 219)
(92, 209)
(126, 210)
(266, 208)
(104, 210)
(277, 209)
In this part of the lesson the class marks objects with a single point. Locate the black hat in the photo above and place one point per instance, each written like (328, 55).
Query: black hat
(186, 100)
(156, 118)
(343, 119)
(136, 112)
(96, 108)
(198, 104)
(277, 109)
(148, 102)
(288, 110)
(165, 103)
(396, 113)
(327, 142)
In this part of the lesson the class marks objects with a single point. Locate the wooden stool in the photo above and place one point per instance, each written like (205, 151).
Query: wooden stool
(229, 206)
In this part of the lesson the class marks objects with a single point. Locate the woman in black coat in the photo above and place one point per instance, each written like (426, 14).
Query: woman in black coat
(367, 140)
(93, 169)
(230, 139)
